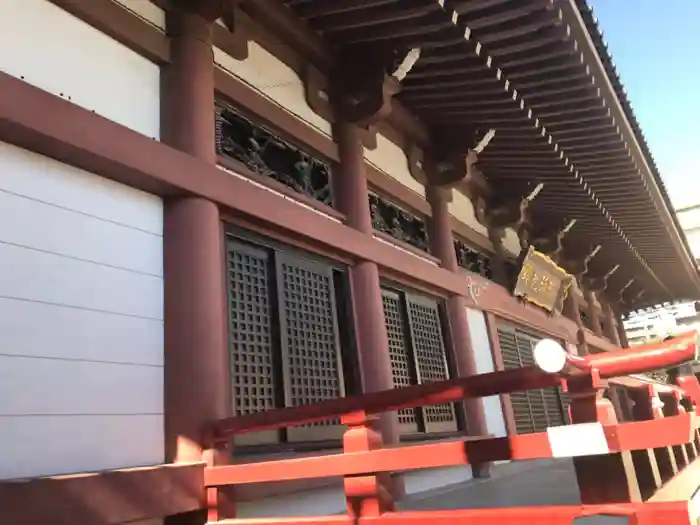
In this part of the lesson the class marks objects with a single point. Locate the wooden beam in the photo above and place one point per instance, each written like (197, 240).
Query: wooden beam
(104, 498)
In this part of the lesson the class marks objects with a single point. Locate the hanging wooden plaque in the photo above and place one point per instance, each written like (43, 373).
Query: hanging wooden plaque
(542, 282)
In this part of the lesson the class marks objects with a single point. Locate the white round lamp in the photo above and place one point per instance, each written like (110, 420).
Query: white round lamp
(549, 356)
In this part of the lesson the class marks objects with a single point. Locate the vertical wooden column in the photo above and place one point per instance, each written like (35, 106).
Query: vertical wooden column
(498, 263)
(196, 364)
(571, 311)
(610, 328)
(592, 311)
(618, 483)
(624, 343)
(442, 246)
(351, 194)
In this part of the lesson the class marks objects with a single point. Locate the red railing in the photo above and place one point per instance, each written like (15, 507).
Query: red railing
(663, 433)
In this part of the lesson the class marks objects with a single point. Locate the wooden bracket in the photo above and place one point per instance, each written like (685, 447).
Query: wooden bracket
(578, 265)
(543, 238)
(451, 161)
(501, 210)
(317, 92)
(597, 283)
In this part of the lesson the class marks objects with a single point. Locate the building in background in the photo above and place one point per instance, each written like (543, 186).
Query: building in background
(650, 324)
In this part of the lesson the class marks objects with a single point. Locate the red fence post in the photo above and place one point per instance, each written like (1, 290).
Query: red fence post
(367, 495)
(618, 484)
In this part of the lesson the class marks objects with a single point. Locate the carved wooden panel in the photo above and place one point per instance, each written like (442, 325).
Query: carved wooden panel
(542, 282)
(266, 154)
(472, 260)
(403, 226)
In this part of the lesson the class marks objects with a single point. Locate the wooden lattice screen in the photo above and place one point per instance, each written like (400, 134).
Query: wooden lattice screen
(284, 338)
(534, 410)
(417, 353)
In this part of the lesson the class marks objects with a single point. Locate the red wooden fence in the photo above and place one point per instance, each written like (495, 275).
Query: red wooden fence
(661, 441)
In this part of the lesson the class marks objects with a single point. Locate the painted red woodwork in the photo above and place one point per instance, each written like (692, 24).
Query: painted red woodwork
(638, 359)
(366, 465)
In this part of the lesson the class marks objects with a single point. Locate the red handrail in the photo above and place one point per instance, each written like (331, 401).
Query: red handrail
(621, 362)
(638, 359)
(480, 385)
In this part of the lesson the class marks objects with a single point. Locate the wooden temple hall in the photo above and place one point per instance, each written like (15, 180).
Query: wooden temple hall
(299, 257)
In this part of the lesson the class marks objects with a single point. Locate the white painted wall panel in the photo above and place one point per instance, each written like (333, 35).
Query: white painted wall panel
(97, 241)
(73, 60)
(113, 388)
(478, 331)
(45, 445)
(33, 275)
(145, 10)
(276, 81)
(87, 194)
(81, 320)
(101, 338)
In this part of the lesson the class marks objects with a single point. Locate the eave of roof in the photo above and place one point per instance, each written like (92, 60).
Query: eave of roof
(581, 11)
(431, 29)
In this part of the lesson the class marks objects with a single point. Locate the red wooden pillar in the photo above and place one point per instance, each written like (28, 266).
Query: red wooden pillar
(593, 312)
(610, 322)
(606, 478)
(442, 246)
(351, 194)
(498, 262)
(196, 364)
(624, 343)
(571, 311)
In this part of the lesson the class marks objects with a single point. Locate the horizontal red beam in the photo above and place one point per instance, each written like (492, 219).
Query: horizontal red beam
(410, 457)
(675, 513)
(639, 359)
(565, 441)
(481, 385)
(609, 364)
(104, 498)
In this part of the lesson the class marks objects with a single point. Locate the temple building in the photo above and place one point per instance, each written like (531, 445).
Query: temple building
(211, 209)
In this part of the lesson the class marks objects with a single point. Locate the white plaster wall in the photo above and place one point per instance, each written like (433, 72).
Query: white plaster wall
(511, 242)
(271, 77)
(146, 10)
(81, 320)
(51, 49)
(483, 352)
(390, 159)
(463, 210)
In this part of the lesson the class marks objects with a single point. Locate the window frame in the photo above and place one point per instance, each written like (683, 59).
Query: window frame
(529, 396)
(302, 437)
(422, 429)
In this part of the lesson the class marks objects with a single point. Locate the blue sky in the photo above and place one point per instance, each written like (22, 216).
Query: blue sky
(654, 45)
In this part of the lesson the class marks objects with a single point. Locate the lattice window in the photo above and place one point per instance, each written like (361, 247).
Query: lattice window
(534, 410)
(429, 350)
(308, 332)
(284, 335)
(402, 370)
(519, 400)
(417, 352)
(252, 365)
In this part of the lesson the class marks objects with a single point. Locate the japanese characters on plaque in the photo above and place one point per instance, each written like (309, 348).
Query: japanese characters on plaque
(542, 282)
